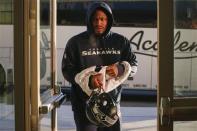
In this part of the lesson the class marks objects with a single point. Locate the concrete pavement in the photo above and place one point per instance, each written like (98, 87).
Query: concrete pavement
(134, 118)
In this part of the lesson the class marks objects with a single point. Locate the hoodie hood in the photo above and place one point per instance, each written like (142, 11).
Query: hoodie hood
(92, 9)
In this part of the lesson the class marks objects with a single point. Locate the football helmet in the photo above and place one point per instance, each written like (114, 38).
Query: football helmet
(101, 109)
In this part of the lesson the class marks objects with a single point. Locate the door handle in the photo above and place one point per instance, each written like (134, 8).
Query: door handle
(170, 111)
(60, 99)
(54, 102)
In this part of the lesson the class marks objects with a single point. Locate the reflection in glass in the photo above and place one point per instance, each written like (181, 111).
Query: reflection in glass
(45, 62)
(144, 13)
(45, 122)
(185, 126)
(6, 11)
(185, 47)
(7, 111)
(45, 50)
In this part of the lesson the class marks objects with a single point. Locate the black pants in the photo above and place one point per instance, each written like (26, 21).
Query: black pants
(83, 124)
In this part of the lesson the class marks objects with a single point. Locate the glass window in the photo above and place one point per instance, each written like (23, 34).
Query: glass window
(7, 110)
(126, 13)
(185, 46)
(185, 14)
(45, 62)
(6, 11)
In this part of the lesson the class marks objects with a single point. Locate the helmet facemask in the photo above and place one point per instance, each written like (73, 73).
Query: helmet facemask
(101, 109)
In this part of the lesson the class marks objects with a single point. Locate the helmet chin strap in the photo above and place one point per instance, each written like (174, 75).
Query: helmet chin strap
(101, 89)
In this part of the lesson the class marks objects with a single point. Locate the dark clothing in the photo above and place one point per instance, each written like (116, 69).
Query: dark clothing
(83, 124)
(81, 53)
(2, 79)
(85, 50)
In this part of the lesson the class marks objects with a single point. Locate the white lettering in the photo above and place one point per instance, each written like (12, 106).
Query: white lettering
(101, 51)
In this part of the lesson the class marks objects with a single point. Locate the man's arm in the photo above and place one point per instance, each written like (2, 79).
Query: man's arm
(91, 80)
(69, 66)
(129, 56)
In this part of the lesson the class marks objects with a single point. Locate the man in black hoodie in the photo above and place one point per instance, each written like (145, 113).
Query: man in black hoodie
(97, 46)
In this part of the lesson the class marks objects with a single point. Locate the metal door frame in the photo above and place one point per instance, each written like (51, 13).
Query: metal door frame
(28, 106)
(21, 65)
(170, 108)
(38, 108)
(34, 33)
(53, 19)
(165, 56)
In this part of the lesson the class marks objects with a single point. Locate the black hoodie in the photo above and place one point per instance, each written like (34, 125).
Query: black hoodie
(104, 7)
(86, 49)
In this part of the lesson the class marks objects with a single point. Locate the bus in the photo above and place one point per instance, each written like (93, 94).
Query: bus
(135, 19)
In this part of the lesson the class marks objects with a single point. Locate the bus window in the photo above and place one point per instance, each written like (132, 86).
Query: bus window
(126, 13)
(6, 11)
(185, 14)
(194, 22)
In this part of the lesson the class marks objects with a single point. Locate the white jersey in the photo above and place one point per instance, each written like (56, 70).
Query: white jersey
(109, 83)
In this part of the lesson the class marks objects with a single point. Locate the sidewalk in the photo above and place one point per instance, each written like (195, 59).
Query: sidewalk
(134, 119)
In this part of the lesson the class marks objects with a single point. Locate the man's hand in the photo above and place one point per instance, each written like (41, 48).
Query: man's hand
(97, 81)
(112, 70)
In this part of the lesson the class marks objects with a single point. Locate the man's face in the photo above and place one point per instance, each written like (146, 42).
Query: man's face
(99, 22)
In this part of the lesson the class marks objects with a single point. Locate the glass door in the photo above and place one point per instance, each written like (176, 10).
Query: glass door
(177, 92)
(50, 93)
(36, 94)
(7, 85)
(46, 95)
(45, 62)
